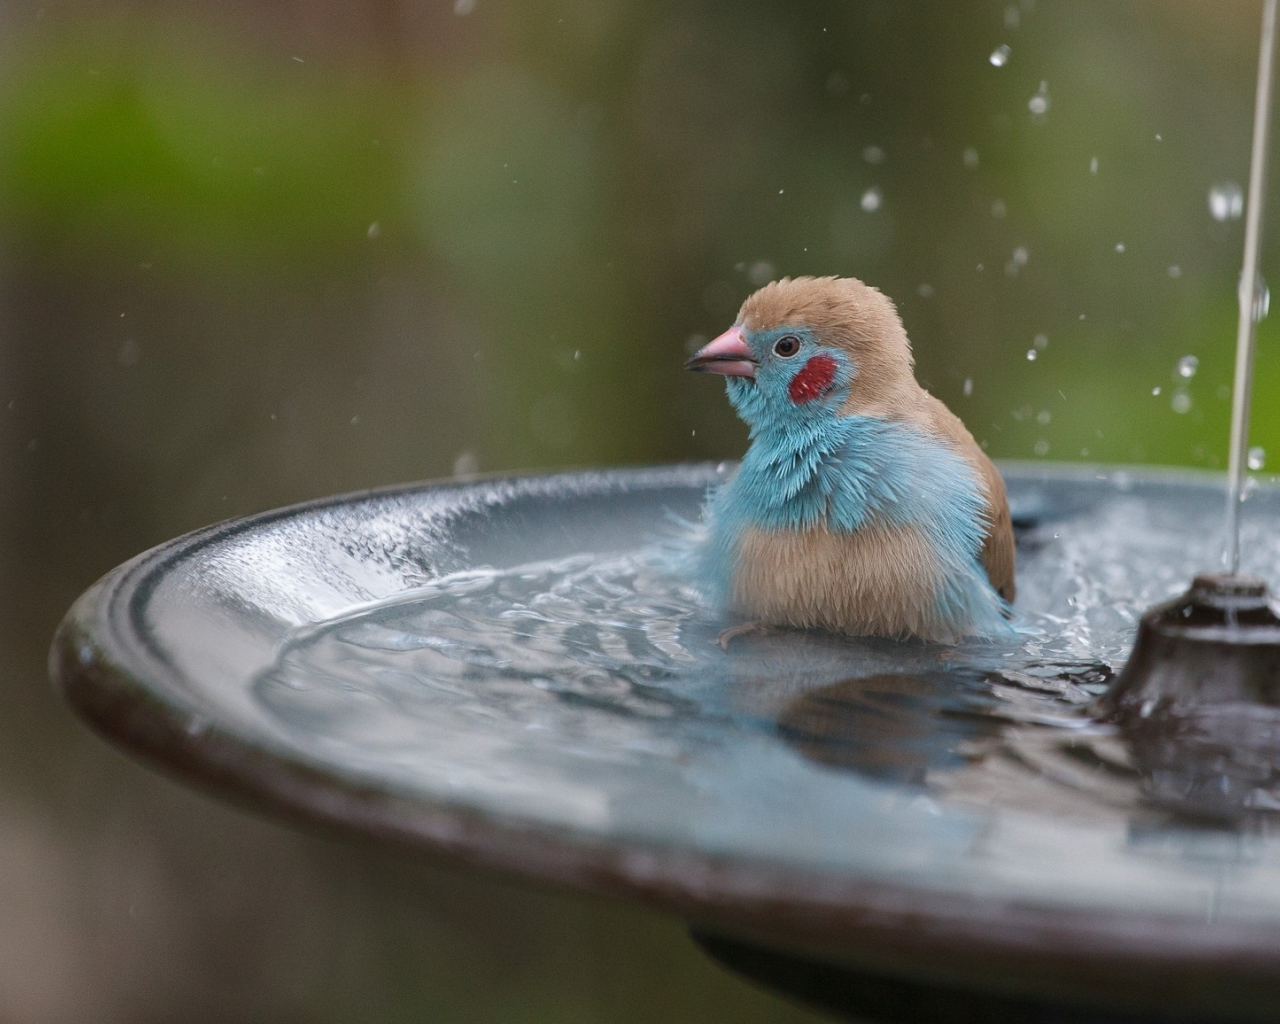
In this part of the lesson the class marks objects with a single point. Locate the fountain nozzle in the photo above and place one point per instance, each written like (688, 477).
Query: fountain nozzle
(1199, 700)
(1215, 646)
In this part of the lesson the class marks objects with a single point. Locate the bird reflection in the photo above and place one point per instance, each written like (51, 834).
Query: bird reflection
(892, 727)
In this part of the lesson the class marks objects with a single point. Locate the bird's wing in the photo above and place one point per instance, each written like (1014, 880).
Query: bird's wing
(997, 548)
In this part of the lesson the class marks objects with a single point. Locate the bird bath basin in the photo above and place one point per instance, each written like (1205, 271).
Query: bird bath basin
(514, 673)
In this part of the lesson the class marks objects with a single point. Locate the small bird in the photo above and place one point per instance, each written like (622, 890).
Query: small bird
(862, 505)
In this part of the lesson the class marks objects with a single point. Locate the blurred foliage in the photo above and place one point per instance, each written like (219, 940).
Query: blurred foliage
(258, 253)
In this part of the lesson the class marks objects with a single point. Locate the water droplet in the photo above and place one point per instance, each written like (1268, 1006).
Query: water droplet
(999, 56)
(1156, 390)
(998, 209)
(1226, 201)
(1261, 299)
(1119, 246)
(1041, 342)
(1187, 366)
(1039, 103)
(1181, 401)
(1012, 16)
(1042, 448)
(466, 464)
(1031, 355)
(871, 199)
(1020, 256)
(463, 7)
(970, 157)
(1175, 271)
(1257, 457)
(925, 291)
(375, 229)
(761, 273)
(1043, 417)
(968, 386)
(873, 155)
(1093, 166)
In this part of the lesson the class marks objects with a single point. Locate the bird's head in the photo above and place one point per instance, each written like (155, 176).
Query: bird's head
(813, 347)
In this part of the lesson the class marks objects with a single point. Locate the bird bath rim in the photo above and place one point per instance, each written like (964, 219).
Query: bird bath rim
(122, 685)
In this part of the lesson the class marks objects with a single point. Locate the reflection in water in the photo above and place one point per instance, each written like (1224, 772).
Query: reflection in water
(978, 741)
(1227, 768)
(896, 727)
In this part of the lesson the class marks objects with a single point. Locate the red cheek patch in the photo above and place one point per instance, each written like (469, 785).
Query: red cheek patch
(813, 380)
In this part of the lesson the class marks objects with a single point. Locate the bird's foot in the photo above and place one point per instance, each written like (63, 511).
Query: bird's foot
(743, 629)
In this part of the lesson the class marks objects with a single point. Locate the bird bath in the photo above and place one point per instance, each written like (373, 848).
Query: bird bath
(514, 673)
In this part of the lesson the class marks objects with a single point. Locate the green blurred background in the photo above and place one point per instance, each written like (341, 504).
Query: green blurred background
(257, 252)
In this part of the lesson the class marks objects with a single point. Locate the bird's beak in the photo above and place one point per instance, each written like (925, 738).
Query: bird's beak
(727, 355)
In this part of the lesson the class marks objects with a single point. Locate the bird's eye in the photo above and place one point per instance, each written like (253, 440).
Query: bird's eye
(786, 346)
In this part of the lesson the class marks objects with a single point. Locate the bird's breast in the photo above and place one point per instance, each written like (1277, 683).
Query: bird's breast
(882, 579)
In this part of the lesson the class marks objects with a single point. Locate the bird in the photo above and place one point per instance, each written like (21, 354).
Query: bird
(862, 505)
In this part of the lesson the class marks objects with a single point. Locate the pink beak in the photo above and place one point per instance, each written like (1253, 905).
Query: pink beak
(727, 355)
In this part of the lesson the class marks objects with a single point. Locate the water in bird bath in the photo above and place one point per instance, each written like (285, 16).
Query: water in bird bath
(512, 683)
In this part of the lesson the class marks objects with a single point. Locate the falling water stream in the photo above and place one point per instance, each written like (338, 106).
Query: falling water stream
(1246, 334)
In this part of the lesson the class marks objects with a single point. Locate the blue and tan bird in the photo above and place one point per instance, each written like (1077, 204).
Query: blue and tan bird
(862, 505)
